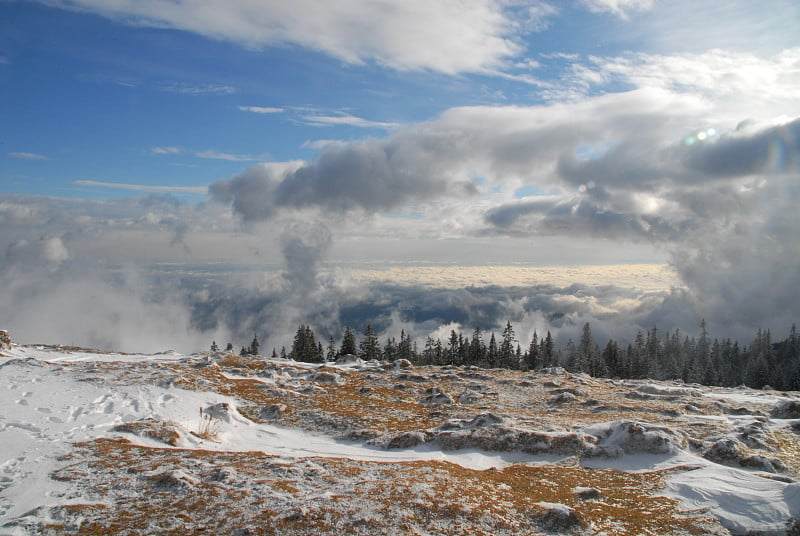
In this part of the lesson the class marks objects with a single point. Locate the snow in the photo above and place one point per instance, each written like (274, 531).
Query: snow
(45, 407)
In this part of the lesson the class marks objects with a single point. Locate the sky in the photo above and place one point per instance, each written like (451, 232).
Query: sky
(176, 171)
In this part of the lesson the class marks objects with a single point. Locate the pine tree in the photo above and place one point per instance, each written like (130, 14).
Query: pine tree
(348, 342)
(532, 355)
(548, 351)
(369, 347)
(331, 355)
(404, 348)
(229, 347)
(492, 354)
(477, 349)
(254, 346)
(452, 350)
(507, 347)
(390, 349)
(214, 347)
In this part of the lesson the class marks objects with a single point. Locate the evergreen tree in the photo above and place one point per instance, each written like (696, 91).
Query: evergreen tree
(331, 355)
(274, 353)
(390, 349)
(348, 342)
(548, 351)
(612, 357)
(477, 349)
(492, 355)
(369, 347)
(507, 347)
(305, 347)
(214, 347)
(463, 350)
(254, 346)
(404, 348)
(429, 353)
(532, 355)
(453, 348)
(229, 347)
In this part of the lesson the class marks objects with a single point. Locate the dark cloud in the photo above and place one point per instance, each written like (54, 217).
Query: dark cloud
(304, 246)
(372, 175)
(772, 150)
(578, 215)
(698, 158)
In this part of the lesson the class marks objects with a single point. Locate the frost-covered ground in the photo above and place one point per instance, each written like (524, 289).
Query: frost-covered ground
(97, 443)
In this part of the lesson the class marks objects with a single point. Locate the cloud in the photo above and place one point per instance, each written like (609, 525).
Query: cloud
(448, 36)
(217, 155)
(51, 250)
(620, 8)
(198, 90)
(201, 190)
(344, 119)
(260, 109)
(369, 175)
(304, 246)
(166, 150)
(28, 156)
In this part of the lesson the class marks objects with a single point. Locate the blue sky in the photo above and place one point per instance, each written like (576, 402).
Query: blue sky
(495, 131)
(91, 93)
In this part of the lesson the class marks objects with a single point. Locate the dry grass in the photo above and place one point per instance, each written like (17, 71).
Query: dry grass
(267, 495)
(363, 498)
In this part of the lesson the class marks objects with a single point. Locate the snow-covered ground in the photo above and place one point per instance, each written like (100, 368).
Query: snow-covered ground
(719, 452)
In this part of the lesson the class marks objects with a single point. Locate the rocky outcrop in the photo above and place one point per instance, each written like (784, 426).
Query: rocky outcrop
(5, 340)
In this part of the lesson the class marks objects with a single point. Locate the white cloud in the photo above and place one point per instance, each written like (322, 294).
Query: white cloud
(146, 187)
(620, 8)
(166, 150)
(449, 36)
(260, 109)
(198, 90)
(344, 119)
(28, 156)
(217, 155)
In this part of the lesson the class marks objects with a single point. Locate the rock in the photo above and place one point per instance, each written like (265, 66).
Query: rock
(724, 451)
(587, 494)
(562, 398)
(469, 397)
(484, 419)
(151, 428)
(349, 359)
(324, 376)
(631, 437)
(786, 409)
(403, 364)
(557, 518)
(172, 482)
(732, 452)
(440, 398)
(272, 412)
(403, 440)
(221, 411)
(667, 391)
(5, 340)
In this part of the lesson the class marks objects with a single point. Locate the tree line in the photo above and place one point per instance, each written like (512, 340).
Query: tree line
(671, 356)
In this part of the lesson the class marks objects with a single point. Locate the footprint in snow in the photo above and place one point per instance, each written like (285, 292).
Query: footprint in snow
(44, 410)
